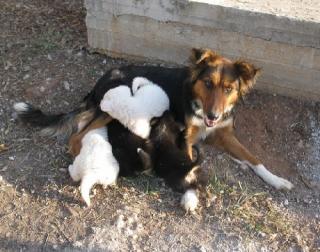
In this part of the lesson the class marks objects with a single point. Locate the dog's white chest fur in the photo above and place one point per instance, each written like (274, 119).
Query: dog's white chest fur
(204, 131)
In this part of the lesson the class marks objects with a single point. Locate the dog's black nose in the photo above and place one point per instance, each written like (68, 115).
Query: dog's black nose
(212, 116)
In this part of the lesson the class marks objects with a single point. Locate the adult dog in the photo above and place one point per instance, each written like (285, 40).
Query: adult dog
(202, 97)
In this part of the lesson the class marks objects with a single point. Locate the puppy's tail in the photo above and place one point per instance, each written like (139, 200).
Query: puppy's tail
(87, 183)
(53, 125)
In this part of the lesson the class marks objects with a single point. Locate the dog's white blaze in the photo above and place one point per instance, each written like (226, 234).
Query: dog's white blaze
(189, 200)
(21, 107)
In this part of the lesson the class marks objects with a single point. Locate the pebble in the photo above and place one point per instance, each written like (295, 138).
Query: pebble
(120, 222)
(11, 158)
(66, 85)
(104, 61)
(26, 68)
(49, 57)
(27, 76)
(300, 144)
(286, 202)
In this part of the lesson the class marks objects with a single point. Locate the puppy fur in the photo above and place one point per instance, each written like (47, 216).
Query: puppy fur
(95, 163)
(172, 162)
(135, 111)
(164, 151)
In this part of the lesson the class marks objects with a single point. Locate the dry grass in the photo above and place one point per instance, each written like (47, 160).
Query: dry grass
(255, 215)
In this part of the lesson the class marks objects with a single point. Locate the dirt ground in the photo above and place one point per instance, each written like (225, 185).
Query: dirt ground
(43, 60)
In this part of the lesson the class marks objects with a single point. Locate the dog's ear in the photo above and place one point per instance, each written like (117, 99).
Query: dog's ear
(247, 74)
(202, 56)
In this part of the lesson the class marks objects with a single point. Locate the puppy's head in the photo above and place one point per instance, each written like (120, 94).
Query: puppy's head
(164, 127)
(139, 82)
(217, 83)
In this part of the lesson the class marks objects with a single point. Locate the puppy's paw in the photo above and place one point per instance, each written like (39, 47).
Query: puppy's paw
(189, 200)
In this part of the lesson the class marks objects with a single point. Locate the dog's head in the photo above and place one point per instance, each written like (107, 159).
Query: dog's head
(217, 83)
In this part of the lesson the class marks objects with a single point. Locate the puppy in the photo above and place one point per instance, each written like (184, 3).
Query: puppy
(125, 148)
(172, 162)
(135, 111)
(95, 163)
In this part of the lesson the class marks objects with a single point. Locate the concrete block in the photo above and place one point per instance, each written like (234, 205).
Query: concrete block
(165, 30)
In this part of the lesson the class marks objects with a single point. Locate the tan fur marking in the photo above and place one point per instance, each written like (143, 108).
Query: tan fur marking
(225, 140)
(75, 139)
(191, 138)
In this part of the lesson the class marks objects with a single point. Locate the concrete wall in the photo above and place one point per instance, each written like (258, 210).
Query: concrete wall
(288, 50)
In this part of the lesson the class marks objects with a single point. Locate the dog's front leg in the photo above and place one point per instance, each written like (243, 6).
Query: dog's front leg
(225, 140)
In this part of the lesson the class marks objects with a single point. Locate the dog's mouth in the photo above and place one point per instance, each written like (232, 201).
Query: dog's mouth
(210, 123)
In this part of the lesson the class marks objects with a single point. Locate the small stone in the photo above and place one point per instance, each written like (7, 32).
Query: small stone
(27, 76)
(11, 158)
(79, 54)
(26, 68)
(104, 61)
(307, 201)
(4, 168)
(49, 57)
(120, 222)
(63, 169)
(66, 85)
(262, 234)
(286, 202)
(300, 144)
(203, 249)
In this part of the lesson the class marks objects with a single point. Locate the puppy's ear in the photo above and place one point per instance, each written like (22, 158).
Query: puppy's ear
(247, 73)
(202, 56)
(154, 121)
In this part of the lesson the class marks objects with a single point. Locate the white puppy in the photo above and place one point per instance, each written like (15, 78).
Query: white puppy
(135, 111)
(95, 163)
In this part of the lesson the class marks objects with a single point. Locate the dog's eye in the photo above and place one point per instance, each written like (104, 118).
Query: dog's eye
(208, 84)
(228, 90)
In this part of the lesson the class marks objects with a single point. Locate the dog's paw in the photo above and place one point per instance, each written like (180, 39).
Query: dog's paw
(282, 184)
(189, 200)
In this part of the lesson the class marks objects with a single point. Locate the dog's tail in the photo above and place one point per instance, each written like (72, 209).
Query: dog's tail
(53, 125)
(87, 183)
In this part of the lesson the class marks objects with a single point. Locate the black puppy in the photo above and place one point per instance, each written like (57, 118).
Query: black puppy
(126, 148)
(165, 152)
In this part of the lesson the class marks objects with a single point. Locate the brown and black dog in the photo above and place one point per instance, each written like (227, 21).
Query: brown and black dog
(202, 97)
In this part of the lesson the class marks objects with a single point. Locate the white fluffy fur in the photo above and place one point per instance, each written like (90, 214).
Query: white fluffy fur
(95, 163)
(135, 111)
(189, 200)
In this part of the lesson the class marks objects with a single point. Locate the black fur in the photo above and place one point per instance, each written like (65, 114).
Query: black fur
(170, 79)
(169, 159)
(124, 148)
